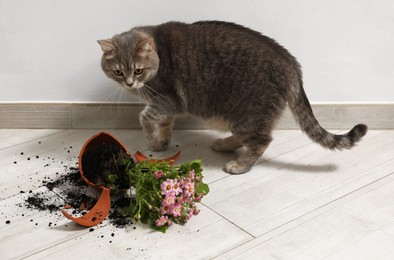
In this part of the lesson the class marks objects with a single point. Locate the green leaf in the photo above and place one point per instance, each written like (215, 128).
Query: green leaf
(112, 178)
(161, 229)
(202, 188)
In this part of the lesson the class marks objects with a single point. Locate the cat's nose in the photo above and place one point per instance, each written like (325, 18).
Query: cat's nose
(129, 81)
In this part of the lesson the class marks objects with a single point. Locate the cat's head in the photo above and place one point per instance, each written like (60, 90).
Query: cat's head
(130, 59)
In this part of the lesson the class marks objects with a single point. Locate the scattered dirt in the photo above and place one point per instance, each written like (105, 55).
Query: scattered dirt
(71, 190)
(67, 190)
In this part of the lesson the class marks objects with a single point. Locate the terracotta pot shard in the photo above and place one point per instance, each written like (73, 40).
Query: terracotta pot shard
(97, 214)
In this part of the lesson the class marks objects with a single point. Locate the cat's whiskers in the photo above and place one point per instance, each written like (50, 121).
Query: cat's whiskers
(122, 103)
(151, 97)
(152, 89)
(159, 98)
(112, 92)
(115, 99)
(143, 95)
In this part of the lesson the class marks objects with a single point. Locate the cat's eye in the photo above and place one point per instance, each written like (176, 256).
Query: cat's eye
(118, 73)
(138, 71)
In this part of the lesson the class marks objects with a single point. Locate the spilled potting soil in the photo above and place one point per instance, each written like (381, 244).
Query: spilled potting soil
(69, 189)
(59, 190)
(47, 184)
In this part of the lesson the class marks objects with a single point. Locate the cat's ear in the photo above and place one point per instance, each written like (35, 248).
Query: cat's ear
(107, 46)
(146, 45)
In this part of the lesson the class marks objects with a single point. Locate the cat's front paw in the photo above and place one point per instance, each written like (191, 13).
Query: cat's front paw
(233, 167)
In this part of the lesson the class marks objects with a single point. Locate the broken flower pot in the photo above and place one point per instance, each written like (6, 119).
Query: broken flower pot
(103, 163)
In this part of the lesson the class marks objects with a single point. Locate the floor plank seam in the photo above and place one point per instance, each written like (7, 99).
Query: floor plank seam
(228, 220)
(60, 131)
(231, 249)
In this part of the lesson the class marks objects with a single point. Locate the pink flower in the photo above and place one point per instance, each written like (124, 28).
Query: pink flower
(158, 174)
(167, 186)
(165, 210)
(177, 210)
(161, 221)
(170, 186)
(177, 188)
(188, 189)
(169, 200)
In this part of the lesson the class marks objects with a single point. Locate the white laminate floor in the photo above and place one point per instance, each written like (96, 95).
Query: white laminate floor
(299, 202)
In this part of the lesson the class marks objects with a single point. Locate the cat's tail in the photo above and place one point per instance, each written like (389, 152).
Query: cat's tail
(302, 111)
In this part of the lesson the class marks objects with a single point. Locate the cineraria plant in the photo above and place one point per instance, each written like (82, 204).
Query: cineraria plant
(165, 194)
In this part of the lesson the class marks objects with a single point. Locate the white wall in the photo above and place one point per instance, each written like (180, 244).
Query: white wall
(48, 49)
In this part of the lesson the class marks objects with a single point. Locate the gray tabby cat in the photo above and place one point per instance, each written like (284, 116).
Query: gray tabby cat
(226, 74)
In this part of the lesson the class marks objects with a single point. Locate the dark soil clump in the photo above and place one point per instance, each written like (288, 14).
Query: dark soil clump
(41, 202)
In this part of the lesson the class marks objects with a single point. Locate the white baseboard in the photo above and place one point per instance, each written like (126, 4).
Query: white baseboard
(125, 116)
